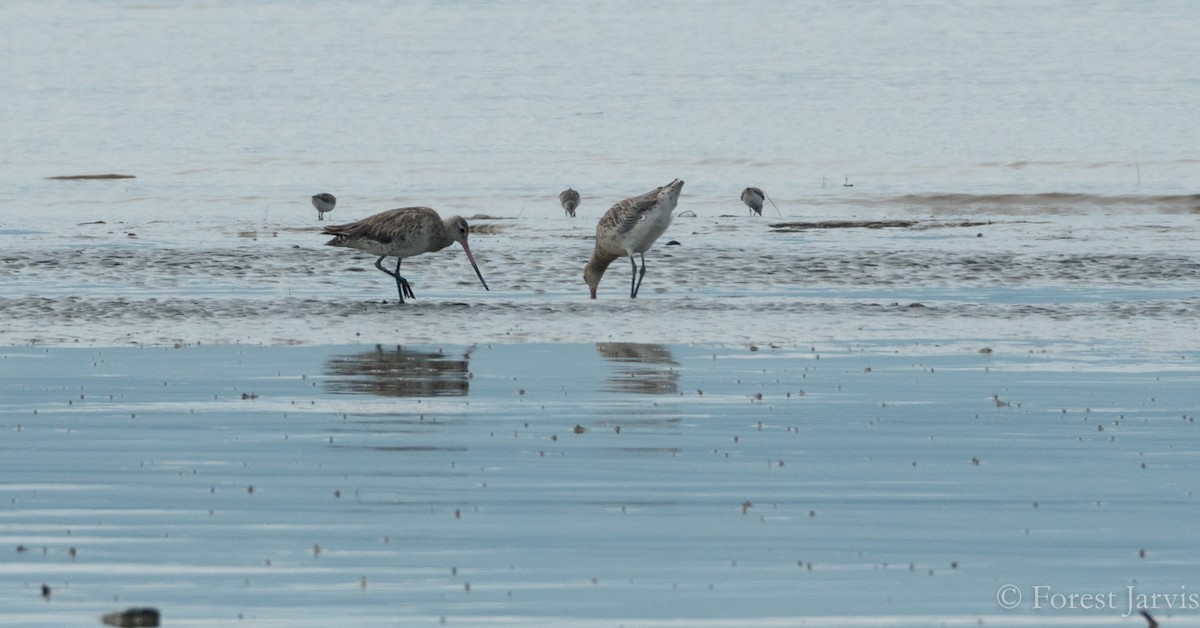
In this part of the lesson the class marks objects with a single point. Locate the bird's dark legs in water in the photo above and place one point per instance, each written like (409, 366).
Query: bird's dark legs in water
(402, 286)
(635, 282)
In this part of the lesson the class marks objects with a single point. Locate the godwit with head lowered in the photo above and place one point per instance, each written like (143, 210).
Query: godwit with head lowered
(631, 226)
(324, 203)
(753, 198)
(402, 233)
(569, 199)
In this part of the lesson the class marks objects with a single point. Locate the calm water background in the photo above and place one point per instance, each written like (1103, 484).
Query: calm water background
(593, 484)
(1066, 129)
(1048, 151)
(224, 108)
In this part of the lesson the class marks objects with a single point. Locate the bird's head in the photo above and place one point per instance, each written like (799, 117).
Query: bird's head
(593, 272)
(459, 230)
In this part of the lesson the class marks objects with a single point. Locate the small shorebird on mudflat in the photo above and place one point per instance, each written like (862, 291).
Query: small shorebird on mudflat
(569, 199)
(324, 203)
(631, 226)
(401, 233)
(753, 198)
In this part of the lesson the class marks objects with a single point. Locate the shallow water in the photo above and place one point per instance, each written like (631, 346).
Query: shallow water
(1084, 277)
(1044, 153)
(615, 483)
(983, 223)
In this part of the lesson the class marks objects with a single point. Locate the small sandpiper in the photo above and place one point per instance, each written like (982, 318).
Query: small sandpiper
(569, 199)
(324, 202)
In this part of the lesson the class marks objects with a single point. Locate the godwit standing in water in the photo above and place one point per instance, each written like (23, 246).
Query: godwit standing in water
(631, 226)
(753, 198)
(324, 202)
(402, 233)
(569, 199)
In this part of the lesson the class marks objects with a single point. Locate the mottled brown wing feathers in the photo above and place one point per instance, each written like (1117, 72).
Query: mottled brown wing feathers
(627, 213)
(384, 227)
(357, 229)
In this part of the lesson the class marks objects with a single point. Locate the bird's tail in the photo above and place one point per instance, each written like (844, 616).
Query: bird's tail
(339, 239)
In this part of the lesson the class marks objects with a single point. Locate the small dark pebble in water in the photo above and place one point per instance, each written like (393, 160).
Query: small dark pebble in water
(133, 618)
(673, 243)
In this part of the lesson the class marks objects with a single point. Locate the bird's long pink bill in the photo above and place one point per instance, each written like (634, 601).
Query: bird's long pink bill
(471, 258)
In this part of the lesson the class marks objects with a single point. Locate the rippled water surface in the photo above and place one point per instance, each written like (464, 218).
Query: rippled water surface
(582, 484)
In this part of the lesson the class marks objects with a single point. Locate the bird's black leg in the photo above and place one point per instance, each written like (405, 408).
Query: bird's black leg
(402, 286)
(638, 274)
(402, 283)
(641, 273)
(380, 266)
(633, 278)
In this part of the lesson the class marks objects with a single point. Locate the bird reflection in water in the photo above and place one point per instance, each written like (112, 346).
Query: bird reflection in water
(400, 373)
(641, 368)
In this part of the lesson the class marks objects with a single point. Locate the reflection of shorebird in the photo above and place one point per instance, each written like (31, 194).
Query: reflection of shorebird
(636, 352)
(753, 198)
(402, 233)
(631, 226)
(569, 199)
(643, 368)
(399, 373)
(324, 203)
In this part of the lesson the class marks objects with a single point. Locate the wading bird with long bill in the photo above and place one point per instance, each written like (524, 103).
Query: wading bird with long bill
(631, 226)
(401, 233)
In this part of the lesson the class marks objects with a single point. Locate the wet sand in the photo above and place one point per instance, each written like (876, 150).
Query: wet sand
(858, 483)
(830, 425)
(1081, 278)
